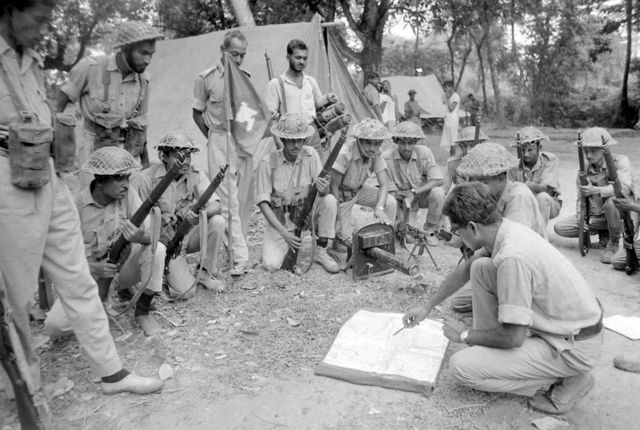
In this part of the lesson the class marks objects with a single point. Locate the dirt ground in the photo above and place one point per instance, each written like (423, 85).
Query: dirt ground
(244, 359)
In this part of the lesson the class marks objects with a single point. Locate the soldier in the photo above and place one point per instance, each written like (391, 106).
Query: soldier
(357, 160)
(371, 93)
(236, 192)
(283, 181)
(113, 92)
(40, 225)
(604, 215)
(416, 179)
(413, 110)
(105, 209)
(465, 142)
(538, 170)
(175, 204)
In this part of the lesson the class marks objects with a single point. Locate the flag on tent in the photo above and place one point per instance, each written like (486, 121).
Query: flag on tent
(245, 110)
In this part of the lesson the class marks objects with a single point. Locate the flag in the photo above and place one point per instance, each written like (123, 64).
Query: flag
(245, 110)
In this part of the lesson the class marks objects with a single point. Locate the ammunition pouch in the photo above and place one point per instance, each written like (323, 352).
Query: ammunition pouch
(29, 150)
(106, 128)
(135, 138)
(64, 147)
(347, 194)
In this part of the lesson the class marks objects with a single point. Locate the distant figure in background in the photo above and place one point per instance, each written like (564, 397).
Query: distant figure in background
(413, 110)
(471, 105)
(372, 94)
(388, 105)
(451, 100)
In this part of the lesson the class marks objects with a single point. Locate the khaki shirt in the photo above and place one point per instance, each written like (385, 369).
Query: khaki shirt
(287, 180)
(517, 203)
(178, 197)
(598, 176)
(412, 110)
(420, 168)
(208, 96)
(355, 170)
(544, 172)
(297, 100)
(537, 286)
(85, 84)
(371, 95)
(25, 75)
(101, 225)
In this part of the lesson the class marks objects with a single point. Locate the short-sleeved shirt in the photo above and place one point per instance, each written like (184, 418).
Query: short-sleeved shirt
(371, 95)
(101, 225)
(127, 95)
(389, 111)
(285, 179)
(598, 176)
(297, 100)
(544, 172)
(356, 170)
(179, 196)
(26, 76)
(537, 286)
(420, 168)
(455, 98)
(517, 203)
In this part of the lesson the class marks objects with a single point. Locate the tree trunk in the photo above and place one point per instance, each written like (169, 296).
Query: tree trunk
(626, 113)
(495, 83)
(463, 65)
(415, 51)
(485, 106)
(242, 12)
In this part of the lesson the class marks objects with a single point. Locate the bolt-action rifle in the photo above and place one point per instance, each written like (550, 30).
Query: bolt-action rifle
(175, 244)
(520, 152)
(627, 222)
(116, 252)
(269, 69)
(584, 236)
(302, 215)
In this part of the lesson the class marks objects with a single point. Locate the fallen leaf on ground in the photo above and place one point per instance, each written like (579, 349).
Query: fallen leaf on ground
(220, 357)
(58, 388)
(165, 371)
(123, 337)
(292, 322)
(550, 423)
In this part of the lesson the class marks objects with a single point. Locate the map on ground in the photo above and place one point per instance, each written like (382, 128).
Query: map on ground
(366, 352)
(626, 326)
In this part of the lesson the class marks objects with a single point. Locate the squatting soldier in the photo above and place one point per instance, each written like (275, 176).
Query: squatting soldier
(236, 192)
(40, 225)
(489, 163)
(105, 209)
(416, 179)
(113, 92)
(604, 215)
(465, 142)
(413, 110)
(538, 170)
(536, 321)
(282, 182)
(175, 205)
(357, 160)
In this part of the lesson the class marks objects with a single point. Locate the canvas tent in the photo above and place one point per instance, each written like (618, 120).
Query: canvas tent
(429, 93)
(177, 62)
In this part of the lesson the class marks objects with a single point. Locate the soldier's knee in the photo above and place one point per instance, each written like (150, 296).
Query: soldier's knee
(216, 224)
(463, 366)
(437, 193)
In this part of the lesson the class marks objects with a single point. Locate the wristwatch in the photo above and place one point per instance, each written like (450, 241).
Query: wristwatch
(381, 208)
(463, 336)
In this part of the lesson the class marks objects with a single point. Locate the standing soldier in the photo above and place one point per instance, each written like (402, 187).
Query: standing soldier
(175, 205)
(236, 191)
(604, 215)
(283, 181)
(105, 209)
(465, 142)
(39, 222)
(416, 179)
(113, 92)
(371, 93)
(538, 170)
(357, 160)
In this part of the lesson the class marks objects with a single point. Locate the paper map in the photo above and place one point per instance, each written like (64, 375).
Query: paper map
(366, 352)
(626, 326)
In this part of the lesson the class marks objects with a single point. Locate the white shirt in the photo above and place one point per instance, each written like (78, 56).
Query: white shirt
(389, 112)
(300, 100)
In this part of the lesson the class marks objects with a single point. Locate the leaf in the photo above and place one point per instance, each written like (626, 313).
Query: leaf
(165, 371)
(293, 323)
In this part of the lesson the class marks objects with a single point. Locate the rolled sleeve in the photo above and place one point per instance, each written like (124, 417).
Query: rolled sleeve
(342, 162)
(77, 82)
(379, 164)
(263, 182)
(429, 167)
(549, 175)
(514, 292)
(623, 167)
(200, 94)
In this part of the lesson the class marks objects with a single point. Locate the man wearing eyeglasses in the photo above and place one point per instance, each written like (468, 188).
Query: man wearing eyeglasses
(536, 321)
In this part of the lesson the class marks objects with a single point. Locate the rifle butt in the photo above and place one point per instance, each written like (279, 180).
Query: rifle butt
(289, 262)
(27, 412)
(103, 288)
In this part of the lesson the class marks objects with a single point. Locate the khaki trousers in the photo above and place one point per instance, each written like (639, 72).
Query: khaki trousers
(549, 206)
(41, 228)
(610, 220)
(523, 370)
(367, 196)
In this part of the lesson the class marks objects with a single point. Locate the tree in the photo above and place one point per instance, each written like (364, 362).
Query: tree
(242, 12)
(193, 17)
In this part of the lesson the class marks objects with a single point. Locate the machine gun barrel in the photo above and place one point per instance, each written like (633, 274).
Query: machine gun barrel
(392, 260)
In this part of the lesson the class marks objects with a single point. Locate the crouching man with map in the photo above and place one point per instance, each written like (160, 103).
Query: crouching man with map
(536, 321)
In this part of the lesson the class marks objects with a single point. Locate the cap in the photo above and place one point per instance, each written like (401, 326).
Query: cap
(412, 91)
(486, 159)
(111, 160)
(370, 129)
(178, 140)
(594, 137)
(530, 135)
(292, 126)
(135, 31)
(407, 130)
(468, 134)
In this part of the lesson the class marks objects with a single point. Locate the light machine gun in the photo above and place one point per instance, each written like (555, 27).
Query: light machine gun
(584, 235)
(420, 236)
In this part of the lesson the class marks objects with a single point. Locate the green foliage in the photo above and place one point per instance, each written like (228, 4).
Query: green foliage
(192, 17)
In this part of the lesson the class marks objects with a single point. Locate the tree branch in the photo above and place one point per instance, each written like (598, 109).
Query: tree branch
(355, 26)
(344, 49)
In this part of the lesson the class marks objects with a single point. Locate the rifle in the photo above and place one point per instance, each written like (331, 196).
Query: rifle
(629, 231)
(174, 245)
(476, 135)
(116, 250)
(301, 216)
(27, 410)
(269, 69)
(584, 236)
(520, 156)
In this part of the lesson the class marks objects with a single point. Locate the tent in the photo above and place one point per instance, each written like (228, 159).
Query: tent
(429, 93)
(177, 62)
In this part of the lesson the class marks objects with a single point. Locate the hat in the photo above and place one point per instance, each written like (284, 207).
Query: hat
(370, 129)
(407, 130)
(412, 91)
(594, 137)
(111, 160)
(486, 159)
(529, 135)
(177, 140)
(135, 31)
(468, 134)
(292, 126)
